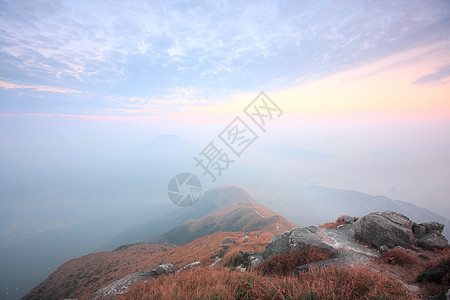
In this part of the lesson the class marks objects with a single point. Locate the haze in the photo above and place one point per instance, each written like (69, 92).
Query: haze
(102, 103)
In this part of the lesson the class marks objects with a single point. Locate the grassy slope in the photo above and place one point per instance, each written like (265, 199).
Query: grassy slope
(80, 277)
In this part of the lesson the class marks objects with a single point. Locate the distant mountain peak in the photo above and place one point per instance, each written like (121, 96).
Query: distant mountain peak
(226, 195)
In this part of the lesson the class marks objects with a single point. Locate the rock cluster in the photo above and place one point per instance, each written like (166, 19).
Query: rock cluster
(382, 230)
(392, 229)
(120, 286)
(328, 239)
(229, 241)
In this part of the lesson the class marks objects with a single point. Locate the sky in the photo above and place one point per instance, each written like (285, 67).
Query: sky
(363, 85)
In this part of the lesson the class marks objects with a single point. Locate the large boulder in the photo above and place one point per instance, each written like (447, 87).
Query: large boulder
(298, 238)
(434, 273)
(429, 235)
(165, 269)
(432, 240)
(120, 286)
(385, 228)
(252, 259)
(337, 258)
(195, 264)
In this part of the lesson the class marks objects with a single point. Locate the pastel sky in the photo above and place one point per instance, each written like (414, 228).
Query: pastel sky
(152, 58)
(123, 68)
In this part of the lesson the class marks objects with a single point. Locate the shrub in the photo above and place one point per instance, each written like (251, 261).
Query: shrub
(234, 260)
(283, 264)
(399, 256)
(339, 221)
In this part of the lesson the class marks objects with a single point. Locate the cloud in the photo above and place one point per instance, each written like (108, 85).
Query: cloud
(110, 118)
(244, 46)
(435, 77)
(8, 85)
(381, 90)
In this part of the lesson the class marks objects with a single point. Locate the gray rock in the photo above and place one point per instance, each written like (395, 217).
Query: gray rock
(424, 256)
(419, 230)
(410, 287)
(195, 264)
(223, 251)
(252, 259)
(431, 240)
(338, 258)
(383, 249)
(229, 241)
(298, 238)
(165, 269)
(279, 244)
(385, 228)
(349, 219)
(433, 226)
(255, 260)
(443, 295)
(422, 229)
(120, 286)
(434, 274)
(416, 249)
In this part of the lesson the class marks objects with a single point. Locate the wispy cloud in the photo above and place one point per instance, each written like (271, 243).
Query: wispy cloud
(156, 58)
(439, 76)
(152, 46)
(8, 85)
(114, 118)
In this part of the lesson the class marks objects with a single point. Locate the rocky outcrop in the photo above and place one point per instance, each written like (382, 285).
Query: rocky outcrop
(298, 238)
(341, 239)
(325, 238)
(349, 219)
(122, 285)
(392, 229)
(432, 240)
(385, 228)
(382, 230)
(229, 241)
(195, 264)
(429, 235)
(223, 251)
(252, 259)
(435, 273)
(165, 269)
(337, 258)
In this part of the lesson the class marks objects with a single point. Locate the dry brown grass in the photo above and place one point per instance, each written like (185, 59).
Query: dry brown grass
(406, 265)
(80, 277)
(319, 283)
(283, 264)
(399, 256)
(339, 221)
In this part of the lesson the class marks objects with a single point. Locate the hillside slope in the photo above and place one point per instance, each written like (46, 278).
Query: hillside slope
(81, 277)
(244, 216)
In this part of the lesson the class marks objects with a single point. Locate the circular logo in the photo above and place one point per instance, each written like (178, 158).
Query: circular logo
(184, 189)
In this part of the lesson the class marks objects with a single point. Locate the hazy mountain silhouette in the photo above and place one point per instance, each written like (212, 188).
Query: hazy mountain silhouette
(218, 201)
(317, 204)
